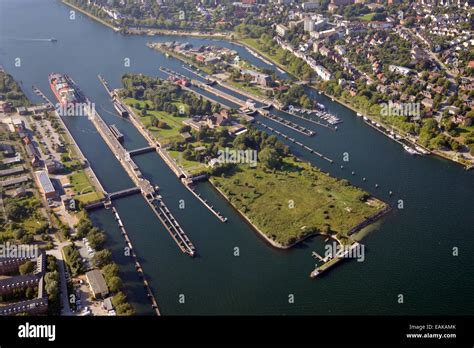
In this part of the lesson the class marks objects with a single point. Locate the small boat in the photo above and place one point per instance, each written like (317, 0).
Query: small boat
(320, 106)
(377, 124)
(365, 118)
(359, 114)
(314, 273)
(421, 150)
(53, 39)
(410, 150)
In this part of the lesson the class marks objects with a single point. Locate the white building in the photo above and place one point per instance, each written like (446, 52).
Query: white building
(308, 25)
(312, 5)
(281, 30)
(340, 49)
(399, 69)
(322, 72)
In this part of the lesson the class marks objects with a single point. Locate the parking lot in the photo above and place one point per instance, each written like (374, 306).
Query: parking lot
(47, 138)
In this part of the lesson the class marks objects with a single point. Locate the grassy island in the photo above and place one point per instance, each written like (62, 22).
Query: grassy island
(288, 204)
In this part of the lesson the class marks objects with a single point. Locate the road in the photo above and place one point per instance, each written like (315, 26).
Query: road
(56, 252)
(431, 54)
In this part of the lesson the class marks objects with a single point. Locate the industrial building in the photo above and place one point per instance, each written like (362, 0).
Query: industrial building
(45, 185)
(97, 283)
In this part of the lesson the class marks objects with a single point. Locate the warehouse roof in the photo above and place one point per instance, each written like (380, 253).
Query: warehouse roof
(97, 282)
(44, 181)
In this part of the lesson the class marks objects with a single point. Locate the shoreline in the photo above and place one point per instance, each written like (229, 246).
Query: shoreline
(367, 222)
(239, 42)
(152, 31)
(435, 152)
(185, 60)
(252, 225)
(353, 108)
(88, 168)
(90, 15)
(157, 32)
(67, 136)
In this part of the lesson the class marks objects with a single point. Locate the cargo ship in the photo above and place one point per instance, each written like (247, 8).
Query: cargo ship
(65, 90)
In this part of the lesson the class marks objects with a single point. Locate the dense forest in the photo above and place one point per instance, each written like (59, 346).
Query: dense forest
(11, 91)
(165, 96)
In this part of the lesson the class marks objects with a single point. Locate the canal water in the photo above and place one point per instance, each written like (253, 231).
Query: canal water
(409, 252)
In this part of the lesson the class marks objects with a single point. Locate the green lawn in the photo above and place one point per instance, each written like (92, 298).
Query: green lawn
(367, 17)
(192, 167)
(164, 136)
(277, 55)
(31, 219)
(250, 89)
(85, 192)
(31, 223)
(297, 201)
(257, 46)
(463, 131)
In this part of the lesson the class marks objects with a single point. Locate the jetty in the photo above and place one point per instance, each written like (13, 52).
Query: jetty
(110, 92)
(138, 266)
(294, 126)
(171, 224)
(283, 135)
(331, 261)
(409, 146)
(191, 189)
(39, 93)
(294, 114)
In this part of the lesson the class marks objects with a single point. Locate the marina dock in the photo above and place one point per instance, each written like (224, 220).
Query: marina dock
(294, 114)
(294, 126)
(409, 146)
(262, 111)
(283, 135)
(329, 262)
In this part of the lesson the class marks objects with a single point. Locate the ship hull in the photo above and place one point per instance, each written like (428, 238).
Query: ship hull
(65, 90)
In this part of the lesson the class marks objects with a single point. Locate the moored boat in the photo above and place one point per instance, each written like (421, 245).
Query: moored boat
(421, 150)
(410, 150)
(64, 89)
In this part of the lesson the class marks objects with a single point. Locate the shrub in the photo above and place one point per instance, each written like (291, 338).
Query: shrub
(27, 267)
